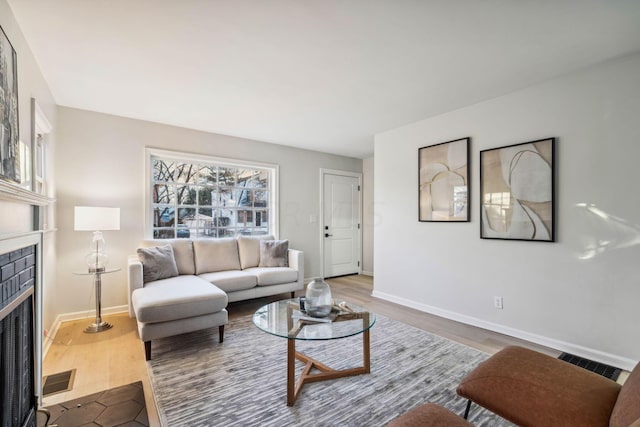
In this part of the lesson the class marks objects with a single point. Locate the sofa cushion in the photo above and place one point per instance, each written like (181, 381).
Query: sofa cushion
(626, 411)
(157, 263)
(182, 251)
(231, 280)
(273, 253)
(273, 275)
(249, 250)
(177, 298)
(216, 255)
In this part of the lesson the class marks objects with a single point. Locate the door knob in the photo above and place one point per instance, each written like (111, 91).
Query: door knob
(327, 234)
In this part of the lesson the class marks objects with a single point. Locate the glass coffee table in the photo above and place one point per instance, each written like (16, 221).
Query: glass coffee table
(284, 319)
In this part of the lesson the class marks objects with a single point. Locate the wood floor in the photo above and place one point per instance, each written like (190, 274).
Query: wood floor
(116, 357)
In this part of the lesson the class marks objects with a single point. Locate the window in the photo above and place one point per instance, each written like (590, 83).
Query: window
(203, 197)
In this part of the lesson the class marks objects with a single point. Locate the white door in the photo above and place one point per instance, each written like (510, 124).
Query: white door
(341, 224)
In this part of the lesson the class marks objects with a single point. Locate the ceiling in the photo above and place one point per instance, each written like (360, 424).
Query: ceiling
(324, 75)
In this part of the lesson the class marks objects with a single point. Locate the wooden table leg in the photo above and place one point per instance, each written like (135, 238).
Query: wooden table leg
(366, 345)
(326, 373)
(291, 371)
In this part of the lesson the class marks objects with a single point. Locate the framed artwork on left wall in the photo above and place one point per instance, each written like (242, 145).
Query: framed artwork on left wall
(443, 182)
(9, 138)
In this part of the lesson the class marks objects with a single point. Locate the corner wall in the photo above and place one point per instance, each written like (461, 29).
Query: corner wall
(101, 162)
(579, 294)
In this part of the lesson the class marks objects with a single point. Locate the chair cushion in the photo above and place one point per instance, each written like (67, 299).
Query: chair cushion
(626, 412)
(533, 389)
(177, 298)
(249, 250)
(158, 262)
(429, 415)
(232, 280)
(274, 253)
(273, 275)
(182, 252)
(216, 255)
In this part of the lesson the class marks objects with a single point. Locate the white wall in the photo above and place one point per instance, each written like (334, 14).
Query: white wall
(17, 217)
(367, 215)
(100, 161)
(551, 295)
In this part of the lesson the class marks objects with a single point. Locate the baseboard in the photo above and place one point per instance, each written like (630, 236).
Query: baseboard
(589, 353)
(78, 315)
(50, 334)
(367, 273)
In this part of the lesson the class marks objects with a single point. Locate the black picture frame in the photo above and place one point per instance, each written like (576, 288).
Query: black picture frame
(517, 191)
(9, 125)
(444, 182)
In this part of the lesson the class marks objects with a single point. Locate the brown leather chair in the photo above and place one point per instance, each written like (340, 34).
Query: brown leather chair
(429, 415)
(532, 389)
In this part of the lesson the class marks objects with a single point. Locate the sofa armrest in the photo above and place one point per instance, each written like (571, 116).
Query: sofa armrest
(296, 261)
(134, 279)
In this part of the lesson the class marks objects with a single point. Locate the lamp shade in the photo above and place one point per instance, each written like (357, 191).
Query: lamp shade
(88, 218)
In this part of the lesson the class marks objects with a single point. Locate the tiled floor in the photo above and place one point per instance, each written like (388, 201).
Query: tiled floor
(120, 406)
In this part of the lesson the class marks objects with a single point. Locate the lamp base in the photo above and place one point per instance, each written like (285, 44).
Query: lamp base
(98, 327)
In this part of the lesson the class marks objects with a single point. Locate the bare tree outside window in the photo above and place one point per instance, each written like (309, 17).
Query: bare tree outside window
(199, 200)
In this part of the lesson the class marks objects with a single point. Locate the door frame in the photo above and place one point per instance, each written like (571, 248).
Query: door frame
(358, 175)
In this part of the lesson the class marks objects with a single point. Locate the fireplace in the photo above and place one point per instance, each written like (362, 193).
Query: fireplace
(19, 343)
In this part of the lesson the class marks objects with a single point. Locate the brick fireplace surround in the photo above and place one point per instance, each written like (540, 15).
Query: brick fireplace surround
(20, 326)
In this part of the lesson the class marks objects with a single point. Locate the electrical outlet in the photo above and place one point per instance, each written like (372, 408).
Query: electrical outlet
(497, 303)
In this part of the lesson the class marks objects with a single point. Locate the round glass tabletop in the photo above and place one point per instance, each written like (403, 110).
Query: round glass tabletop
(284, 319)
(91, 273)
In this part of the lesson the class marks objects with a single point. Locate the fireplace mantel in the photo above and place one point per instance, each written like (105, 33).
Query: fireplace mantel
(14, 193)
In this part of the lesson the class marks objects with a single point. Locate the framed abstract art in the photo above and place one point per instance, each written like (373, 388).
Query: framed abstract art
(517, 192)
(443, 183)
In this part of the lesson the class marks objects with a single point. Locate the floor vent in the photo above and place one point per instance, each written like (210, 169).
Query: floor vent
(599, 368)
(58, 383)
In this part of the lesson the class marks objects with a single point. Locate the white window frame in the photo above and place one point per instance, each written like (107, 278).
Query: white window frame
(39, 148)
(218, 161)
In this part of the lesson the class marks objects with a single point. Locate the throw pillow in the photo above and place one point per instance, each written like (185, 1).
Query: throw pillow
(158, 263)
(274, 253)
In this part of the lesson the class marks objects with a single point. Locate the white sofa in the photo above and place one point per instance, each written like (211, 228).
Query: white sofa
(211, 273)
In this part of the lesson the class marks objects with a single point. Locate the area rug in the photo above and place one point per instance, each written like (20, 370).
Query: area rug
(242, 382)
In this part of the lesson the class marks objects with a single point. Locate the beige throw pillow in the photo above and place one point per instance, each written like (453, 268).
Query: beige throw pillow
(158, 263)
(216, 255)
(274, 253)
(249, 250)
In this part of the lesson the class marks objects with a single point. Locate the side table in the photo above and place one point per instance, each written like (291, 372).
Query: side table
(98, 325)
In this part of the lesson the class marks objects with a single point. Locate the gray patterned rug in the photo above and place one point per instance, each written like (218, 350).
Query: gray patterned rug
(242, 382)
